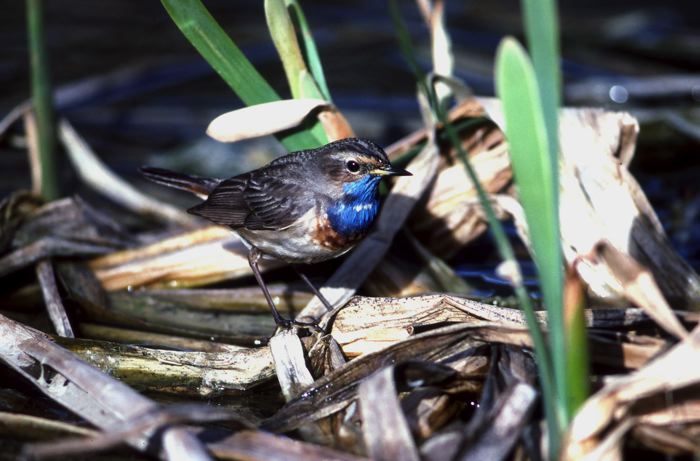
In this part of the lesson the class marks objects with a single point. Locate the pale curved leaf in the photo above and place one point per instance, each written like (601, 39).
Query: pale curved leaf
(262, 119)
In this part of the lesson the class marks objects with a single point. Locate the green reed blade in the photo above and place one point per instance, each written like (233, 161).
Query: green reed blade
(516, 86)
(42, 100)
(217, 48)
(313, 59)
(284, 37)
(542, 32)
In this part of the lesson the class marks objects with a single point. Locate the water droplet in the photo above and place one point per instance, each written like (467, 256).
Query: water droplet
(618, 94)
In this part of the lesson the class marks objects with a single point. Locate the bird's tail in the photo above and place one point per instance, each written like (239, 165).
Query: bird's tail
(197, 185)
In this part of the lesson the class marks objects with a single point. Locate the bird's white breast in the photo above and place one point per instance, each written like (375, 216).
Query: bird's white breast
(296, 243)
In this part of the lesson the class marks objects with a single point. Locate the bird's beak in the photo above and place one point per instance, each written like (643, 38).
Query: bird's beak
(391, 171)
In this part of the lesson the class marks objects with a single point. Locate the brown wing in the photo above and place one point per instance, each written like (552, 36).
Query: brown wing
(225, 204)
(261, 199)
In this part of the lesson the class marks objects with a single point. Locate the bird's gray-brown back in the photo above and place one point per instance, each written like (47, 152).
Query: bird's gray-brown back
(270, 198)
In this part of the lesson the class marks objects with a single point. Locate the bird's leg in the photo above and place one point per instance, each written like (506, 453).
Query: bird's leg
(315, 290)
(253, 257)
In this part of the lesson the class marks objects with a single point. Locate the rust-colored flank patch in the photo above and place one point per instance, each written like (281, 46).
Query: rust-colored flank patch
(327, 237)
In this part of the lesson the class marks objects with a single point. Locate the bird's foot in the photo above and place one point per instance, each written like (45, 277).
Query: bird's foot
(290, 323)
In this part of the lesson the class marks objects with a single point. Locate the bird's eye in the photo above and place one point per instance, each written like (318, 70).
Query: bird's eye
(352, 166)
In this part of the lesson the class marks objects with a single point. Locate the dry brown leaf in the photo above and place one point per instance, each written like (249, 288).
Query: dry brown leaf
(194, 258)
(335, 124)
(667, 372)
(673, 414)
(509, 417)
(600, 200)
(290, 363)
(638, 286)
(386, 432)
(429, 409)
(88, 392)
(669, 440)
(263, 446)
(451, 215)
(627, 354)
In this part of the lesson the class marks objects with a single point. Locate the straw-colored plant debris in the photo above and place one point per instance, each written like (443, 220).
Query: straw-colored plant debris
(412, 364)
(153, 341)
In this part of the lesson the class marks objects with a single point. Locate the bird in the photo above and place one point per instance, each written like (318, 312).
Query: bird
(302, 208)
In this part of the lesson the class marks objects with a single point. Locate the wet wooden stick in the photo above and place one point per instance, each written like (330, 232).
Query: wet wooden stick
(88, 392)
(54, 306)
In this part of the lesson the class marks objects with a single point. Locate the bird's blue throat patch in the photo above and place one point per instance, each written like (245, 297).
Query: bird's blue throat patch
(355, 213)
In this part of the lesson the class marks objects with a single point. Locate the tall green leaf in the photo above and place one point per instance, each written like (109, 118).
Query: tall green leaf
(217, 48)
(313, 59)
(284, 37)
(535, 175)
(542, 32)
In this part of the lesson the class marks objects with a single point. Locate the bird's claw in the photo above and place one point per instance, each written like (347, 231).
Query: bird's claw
(289, 323)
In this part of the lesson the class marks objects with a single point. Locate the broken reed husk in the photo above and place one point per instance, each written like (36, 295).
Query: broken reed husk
(178, 372)
(417, 364)
(52, 299)
(375, 331)
(153, 340)
(365, 326)
(613, 404)
(239, 315)
(63, 228)
(195, 258)
(88, 392)
(602, 202)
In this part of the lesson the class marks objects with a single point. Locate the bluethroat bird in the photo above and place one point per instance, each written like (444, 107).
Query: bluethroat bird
(304, 207)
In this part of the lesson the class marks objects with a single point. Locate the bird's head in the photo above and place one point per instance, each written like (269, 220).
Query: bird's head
(355, 161)
(352, 169)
